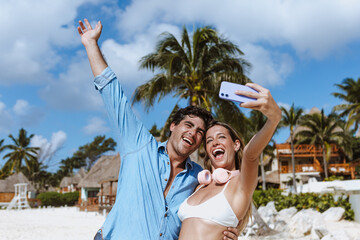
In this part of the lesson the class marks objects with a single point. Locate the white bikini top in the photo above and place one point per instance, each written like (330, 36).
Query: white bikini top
(216, 209)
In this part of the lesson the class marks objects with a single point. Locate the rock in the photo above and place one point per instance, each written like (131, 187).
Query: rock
(268, 213)
(281, 226)
(337, 235)
(333, 214)
(302, 222)
(319, 232)
(286, 214)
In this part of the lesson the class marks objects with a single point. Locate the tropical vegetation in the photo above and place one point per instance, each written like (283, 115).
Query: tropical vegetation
(56, 199)
(20, 153)
(192, 69)
(290, 119)
(321, 130)
(21, 157)
(320, 202)
(350, 93)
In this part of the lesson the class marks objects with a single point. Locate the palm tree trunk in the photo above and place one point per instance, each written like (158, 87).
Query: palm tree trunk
(262, 171)
(293, 161)
(325, 162)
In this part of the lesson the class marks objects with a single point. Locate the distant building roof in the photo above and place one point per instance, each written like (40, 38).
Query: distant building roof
(105, 169)
(271, 177)
(7, 185)
(74, 179)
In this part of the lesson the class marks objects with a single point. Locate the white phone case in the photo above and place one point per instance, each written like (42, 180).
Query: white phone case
(227, 92)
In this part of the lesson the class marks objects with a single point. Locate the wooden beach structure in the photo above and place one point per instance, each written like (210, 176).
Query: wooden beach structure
(309, 161)
(98, 187)
(7, 188)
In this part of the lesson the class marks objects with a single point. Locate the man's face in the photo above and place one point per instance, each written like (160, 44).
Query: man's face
(186, 137)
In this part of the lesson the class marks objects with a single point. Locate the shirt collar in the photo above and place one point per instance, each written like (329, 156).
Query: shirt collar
(188, 163)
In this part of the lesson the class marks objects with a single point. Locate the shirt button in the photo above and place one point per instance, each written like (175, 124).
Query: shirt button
(160, 234)
(165, 215)
(165, 179)
(168, 163)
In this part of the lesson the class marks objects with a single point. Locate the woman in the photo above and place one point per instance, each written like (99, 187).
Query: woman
(223, 203)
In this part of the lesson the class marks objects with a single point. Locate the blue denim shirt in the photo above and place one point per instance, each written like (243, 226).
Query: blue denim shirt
(140, 210)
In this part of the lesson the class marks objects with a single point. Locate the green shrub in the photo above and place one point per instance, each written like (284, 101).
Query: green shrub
(333, 178)
(303, 200)
(50, 199)
(56, 199)
(70, 198)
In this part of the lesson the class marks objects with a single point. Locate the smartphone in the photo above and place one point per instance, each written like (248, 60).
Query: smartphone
(227, 92)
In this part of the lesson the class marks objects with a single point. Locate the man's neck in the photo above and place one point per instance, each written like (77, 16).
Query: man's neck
(176, 159)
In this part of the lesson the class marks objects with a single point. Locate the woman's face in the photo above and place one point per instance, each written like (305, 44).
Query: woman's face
(220, 147)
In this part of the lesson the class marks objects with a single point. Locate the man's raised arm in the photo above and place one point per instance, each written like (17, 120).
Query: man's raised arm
(89, 38)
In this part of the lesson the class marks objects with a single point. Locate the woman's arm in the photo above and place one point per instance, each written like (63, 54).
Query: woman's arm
(267, 105)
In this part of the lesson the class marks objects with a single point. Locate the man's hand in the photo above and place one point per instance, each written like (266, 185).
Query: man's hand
(231, 233)
(88, 34)
(89, 38)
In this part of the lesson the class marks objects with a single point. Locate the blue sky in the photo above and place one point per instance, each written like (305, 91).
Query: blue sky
(298, 49)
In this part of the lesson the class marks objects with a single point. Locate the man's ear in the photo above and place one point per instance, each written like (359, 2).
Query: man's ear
(237, 145)
(172, 125)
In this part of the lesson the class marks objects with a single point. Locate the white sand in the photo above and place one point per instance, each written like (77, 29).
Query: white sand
(50, 223)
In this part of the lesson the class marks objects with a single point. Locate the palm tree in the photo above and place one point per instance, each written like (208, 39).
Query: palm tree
(322, 131)
(351, 94)
(36, 173)
(290, 119)
(87, 154)
(256, 122)
(3, 172)
(192, 69)
(19, 152)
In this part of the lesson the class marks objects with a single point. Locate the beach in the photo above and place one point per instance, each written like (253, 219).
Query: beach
(49, 223)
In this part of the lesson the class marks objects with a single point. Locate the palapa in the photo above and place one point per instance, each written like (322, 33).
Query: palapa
(74, 179)
(105, 169)
(7, 185)
(271, 177)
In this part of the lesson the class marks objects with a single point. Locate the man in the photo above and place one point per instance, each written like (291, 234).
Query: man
(154, 178)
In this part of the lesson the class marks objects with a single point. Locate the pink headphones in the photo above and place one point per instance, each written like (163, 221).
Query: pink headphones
(220, 175)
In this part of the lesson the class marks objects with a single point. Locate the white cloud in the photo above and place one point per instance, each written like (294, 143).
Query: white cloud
(26, 114)
(314, 29)
(74, 90)
(21, 107)
(33, 30)
(22, 114)
(311, 27)
(284, 105)
(269, 68)
(48, 148)
(96, 126)
(124, 58)
(6, 119)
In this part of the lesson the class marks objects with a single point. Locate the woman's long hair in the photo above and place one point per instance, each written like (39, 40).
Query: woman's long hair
(238, 158)
(234, 136)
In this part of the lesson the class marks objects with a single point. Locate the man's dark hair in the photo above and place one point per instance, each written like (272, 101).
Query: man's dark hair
(192, 111)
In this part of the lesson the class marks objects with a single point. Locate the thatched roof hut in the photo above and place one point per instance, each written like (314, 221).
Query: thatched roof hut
(111, 173)
(104, 170)
(7, 185)
(73, 180)
(271, 177)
